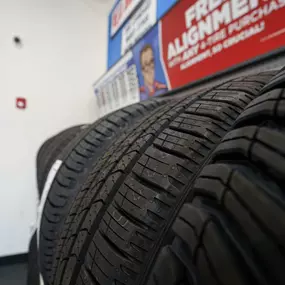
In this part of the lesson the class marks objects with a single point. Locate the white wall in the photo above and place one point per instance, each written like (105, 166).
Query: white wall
(64, 50)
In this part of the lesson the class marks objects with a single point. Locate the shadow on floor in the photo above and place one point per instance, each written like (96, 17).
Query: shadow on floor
(14, 274)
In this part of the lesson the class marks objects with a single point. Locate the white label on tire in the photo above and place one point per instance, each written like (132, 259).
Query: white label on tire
(55, 167)
(41, 279)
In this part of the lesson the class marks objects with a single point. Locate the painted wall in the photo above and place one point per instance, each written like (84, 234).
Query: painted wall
(64, 51)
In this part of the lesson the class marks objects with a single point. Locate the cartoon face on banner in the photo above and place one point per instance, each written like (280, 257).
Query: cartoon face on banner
(147, 59)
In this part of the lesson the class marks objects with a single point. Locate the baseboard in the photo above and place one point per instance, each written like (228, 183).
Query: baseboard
(13, 259)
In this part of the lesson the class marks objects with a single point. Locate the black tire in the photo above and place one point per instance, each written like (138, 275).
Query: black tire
(78, 158)
(33, 266)
(233, 225)
(277, 82)
(50, 150)
(119, 222)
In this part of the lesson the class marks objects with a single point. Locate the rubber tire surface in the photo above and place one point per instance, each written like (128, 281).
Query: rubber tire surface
(32, 266)
(50, 150)
(78, 158)
(120, 219)
(233, 225)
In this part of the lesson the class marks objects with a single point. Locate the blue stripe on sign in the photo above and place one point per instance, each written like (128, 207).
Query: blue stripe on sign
(109, 40)
(114, 43)
(163, 6)
(114, 49)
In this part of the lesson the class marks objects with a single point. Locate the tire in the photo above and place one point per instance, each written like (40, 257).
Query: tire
(78, 158)
(49, 152)
(119, 222)
(232, 226)
(32, 266)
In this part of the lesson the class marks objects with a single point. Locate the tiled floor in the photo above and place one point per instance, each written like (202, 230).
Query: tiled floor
(14, 274)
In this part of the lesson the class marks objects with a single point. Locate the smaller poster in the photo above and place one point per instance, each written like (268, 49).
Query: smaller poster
(121, 12)
(117, 88)
(142, 20)
(151, 76)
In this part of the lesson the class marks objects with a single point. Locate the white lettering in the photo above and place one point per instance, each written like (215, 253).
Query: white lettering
(217, 48)
(273, 7)
(213, 4)
(201, 9)
(191, 52)
(221, 17)
(200, 57)
(171, 51)
(281, 3)
(254, 16)
(180, 47)
(253, 4)
(189, 16)
(218, 36)
(257, 28)
(205, 27)
(239, 8)
(193, 36)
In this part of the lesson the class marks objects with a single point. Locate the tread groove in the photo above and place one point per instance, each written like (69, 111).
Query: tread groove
(133, 219)
(185, 131)
(210, 116)
(174, 153)
(117, 250)
(151, 185)
(233, 103)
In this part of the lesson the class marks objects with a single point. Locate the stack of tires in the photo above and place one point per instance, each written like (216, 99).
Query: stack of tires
(187, 191)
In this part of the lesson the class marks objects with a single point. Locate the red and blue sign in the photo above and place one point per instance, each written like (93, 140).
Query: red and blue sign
(118, 19)
(196, 39)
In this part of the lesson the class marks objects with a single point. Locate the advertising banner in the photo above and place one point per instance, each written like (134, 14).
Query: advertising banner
(213, 35)
(194, 40)
(119, 87)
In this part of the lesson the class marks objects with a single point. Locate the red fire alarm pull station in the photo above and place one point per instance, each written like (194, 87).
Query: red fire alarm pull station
(21, 103)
